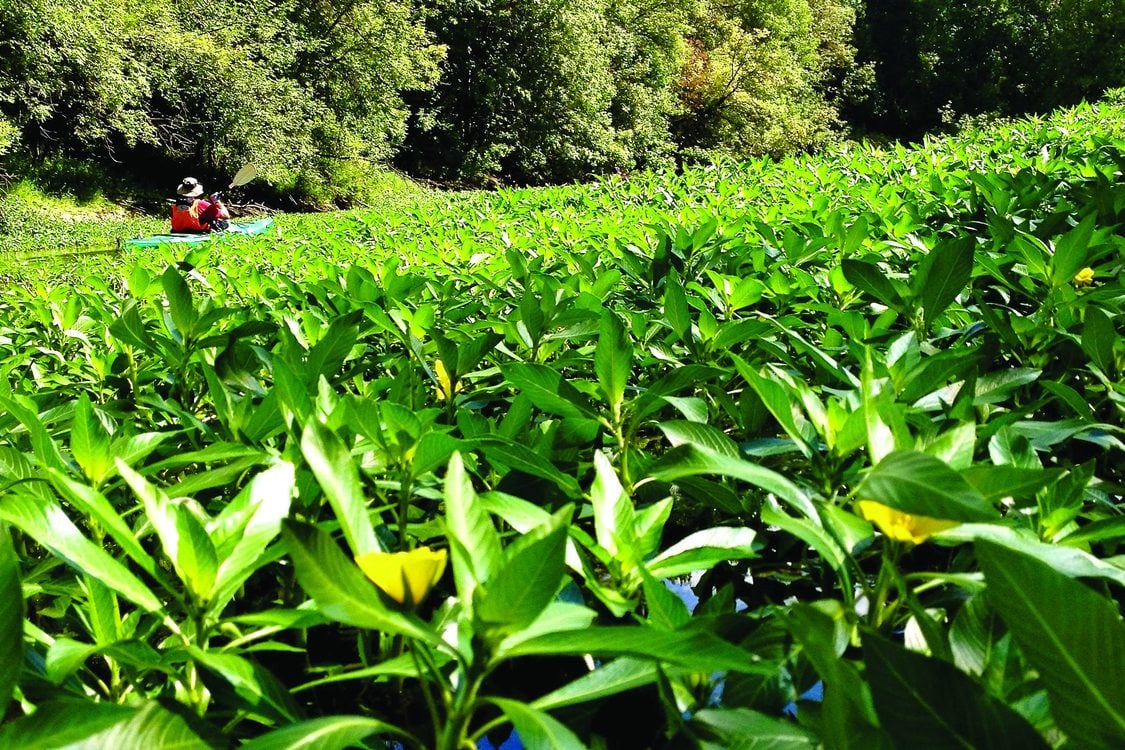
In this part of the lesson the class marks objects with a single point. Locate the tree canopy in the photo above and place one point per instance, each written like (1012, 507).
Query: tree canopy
(526, 91)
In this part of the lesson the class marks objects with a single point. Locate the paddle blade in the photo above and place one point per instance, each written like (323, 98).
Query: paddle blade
(244, 175)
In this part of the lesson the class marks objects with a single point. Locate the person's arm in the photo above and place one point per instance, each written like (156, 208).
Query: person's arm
(218, 207)
(211, 209)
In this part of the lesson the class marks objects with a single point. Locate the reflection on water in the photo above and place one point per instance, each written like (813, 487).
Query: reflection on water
(512, 743)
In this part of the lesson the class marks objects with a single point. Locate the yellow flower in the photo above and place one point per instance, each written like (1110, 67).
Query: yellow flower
(903, 526)
(445, 387)
(406, 577)
(1085, 277)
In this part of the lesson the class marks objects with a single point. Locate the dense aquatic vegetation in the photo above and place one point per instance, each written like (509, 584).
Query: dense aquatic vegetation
(817, 451)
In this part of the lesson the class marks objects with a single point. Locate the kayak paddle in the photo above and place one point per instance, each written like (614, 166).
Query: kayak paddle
(243, 176)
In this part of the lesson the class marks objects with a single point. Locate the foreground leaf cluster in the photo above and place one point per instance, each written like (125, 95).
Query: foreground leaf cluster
(638, 418)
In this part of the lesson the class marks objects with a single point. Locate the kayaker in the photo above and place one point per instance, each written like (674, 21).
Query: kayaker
(192, 213)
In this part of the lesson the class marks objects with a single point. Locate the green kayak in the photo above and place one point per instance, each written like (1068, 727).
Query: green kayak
(236, 229)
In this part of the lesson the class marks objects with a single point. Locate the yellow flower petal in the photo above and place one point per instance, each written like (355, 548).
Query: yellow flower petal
(406, 577)
(904, 527)
(445, 387)
(1085, 277)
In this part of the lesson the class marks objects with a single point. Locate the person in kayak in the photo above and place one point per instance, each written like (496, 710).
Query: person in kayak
(192, 213)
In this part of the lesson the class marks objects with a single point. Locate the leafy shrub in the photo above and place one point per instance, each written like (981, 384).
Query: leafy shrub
(718, 445)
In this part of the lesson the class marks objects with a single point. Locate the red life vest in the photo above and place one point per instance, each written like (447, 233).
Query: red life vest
(185, 218)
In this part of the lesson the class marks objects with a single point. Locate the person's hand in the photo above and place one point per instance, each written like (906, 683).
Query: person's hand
(214, 197)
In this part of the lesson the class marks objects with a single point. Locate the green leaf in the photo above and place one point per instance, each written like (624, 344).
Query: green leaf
(11, 618)
(89, 441)
(1071, 397)
(65, 656)
(470, 353)
(848, 717)
(129, 329)
(196, 557)
(215, 453)
(219, 477)
(83, 725)
(103, 611)
(922, 485)
(547, 389)
(15, 465)
(1066, 560)
(151, 727)
(1073, 636)
(97, 506)
(559, 616)
(1098, 338)
(1097, 531)
(502, 451)
(255, 686)
(327, 356)
(338, 476)
(877, 434)
(998, 386)
(325, 733)
(1071, 249)
(433, 450)
(808, 531)
(974, 636)
(955, 447)
(403, 665)
(924, 702)
(613, 512)
(678, 380)
(132, 449)
(62, 724)
(942, 275)
(537, 728)
(45, 522)
(690, 460)
(676, 307)
(247, 525)
(696, 650)
(777, 398)
(46, 450)
(527, 582)
(702, 550)
(996, 483)
(933, 373)
(744, 729)
(613, 359)
(340, 589)
(619, 675)
(811, 353)
(180, 304)
(664, 607)
(870, 278)
(700, 435)
(184, 541)
(649, 522)
(531, 315)
(476, 554)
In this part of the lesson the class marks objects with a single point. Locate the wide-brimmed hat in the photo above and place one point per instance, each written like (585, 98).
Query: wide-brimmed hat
(190, 188)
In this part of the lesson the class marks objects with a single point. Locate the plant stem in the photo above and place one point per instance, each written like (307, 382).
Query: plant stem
(404, 505)
(885, 581)
(431, 705)
(455, 735)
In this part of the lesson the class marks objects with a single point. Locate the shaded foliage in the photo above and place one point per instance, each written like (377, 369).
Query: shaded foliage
(937, 61)
(296, 87)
